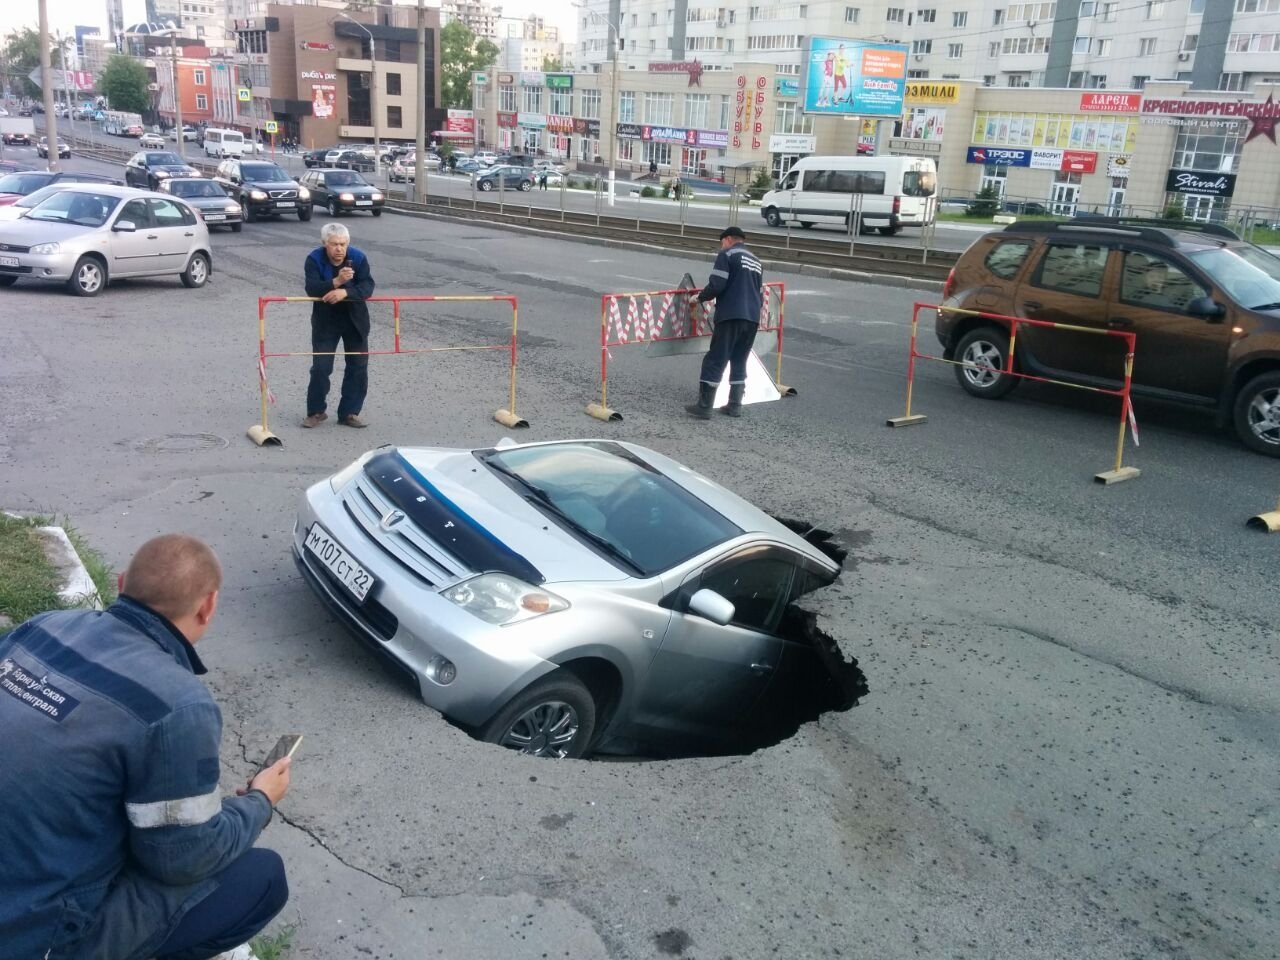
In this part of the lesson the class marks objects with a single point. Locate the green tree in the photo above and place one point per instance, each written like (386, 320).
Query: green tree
(986, 203)
(461, 53)
(124, 84)
(551, 64)
(19, 55)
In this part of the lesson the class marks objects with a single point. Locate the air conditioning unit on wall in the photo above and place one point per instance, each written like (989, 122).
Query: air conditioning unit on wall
(1184, 57)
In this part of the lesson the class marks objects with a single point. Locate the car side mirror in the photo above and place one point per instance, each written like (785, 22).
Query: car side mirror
(711, 606)
(125, 226)
(1206, 307)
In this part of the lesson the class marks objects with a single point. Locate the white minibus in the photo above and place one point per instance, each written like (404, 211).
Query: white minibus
(223, 143)
(889, 193)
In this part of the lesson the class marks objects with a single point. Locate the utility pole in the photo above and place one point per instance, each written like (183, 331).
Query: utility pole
(177, 95)
(46, 83)
(420, 132)
(373, 89)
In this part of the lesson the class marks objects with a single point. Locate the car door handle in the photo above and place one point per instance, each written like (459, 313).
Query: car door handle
(1031, 306)
(762, 667)
(188, 234)
(153, 236)
(1119, 323)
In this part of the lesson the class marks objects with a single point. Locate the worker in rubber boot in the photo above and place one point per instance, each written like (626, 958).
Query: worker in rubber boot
(735, 285)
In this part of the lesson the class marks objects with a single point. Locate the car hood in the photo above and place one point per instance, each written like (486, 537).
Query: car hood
(210, 203)
(27, 232)
(361, 190)
(271, 184)
(506, 532)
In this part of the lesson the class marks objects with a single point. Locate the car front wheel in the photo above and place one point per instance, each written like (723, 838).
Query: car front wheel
(88, 278)
(304, 212)
(1257, 414)
(197, 272)
(554, 717)
(334, 209)
(772, 217)
(983, 353)
(486, 185)
(246, 212)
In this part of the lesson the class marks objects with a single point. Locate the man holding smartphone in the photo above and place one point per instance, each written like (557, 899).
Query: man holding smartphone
(337, 275)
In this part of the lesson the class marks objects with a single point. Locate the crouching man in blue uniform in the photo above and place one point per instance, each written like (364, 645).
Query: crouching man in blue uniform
(736, 286)
(115, 840)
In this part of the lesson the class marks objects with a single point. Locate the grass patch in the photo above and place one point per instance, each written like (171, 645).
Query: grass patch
(104, 578)
(274, 946)
(28, 581)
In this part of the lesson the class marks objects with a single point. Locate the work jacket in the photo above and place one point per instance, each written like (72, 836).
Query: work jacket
(735, 285)
(111, 821)
(319, 281)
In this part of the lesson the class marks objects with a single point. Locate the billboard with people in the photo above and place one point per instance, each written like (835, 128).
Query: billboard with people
(852, 78)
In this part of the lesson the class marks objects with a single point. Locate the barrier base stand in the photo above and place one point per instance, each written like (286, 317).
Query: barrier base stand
(786, 391)
(1108, 477)
(263, 437)
(910, 421)
(509, 419)
(1266, 522)
(601, 412)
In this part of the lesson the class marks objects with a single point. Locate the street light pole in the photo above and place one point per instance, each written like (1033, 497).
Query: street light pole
(373, 89)
(177, 95)
(46, 80)
(420, 131)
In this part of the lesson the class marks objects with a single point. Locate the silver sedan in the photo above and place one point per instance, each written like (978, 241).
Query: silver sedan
(87, 235)
(575, 596)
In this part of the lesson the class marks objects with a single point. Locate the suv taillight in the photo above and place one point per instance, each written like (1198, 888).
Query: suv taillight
(950, 284)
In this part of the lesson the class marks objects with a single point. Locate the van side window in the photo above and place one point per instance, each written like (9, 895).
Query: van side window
(1073, 268)
(844, 181)
(1007, 258)
(790, 182)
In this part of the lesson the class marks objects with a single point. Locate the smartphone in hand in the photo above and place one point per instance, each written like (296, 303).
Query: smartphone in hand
(284, 747)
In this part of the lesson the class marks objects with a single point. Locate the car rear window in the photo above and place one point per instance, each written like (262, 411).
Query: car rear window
(1007, 258)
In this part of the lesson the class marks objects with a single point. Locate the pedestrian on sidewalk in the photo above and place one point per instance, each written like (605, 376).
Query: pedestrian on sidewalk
(736, 286)
(338, 276)
(542, 179)
(117, 842)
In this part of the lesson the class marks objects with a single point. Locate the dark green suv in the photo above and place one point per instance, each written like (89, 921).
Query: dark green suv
(1205, 307)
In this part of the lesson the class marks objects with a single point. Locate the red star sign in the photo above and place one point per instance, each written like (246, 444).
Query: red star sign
(1263, 125)
(695, 73)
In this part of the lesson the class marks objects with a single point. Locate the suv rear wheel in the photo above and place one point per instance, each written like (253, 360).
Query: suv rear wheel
(1257, 413)
(984, 352)
(772, 217)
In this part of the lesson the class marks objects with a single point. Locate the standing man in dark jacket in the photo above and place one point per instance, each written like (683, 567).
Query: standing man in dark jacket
(735, 286)
(117, 844)
(337, 274)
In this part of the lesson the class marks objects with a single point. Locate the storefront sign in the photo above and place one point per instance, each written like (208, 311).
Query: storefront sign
(560, 124)
(506, 120)
(748, 111)
(587, 128)
(1118, 166)
(314, 45)
(480, 79)
(786, 87)
(915, 148)
(692, 67)
(1045, 159)
(506, 79)
(1262, 114)
(533, 78)
(667, 134)
(535, 120)
(854, 78)
(934, 93)
(629, 131)
(318, 75)
(1110, 102)
(713, 138)
(560, 81)
(1209, 184)
(1002, 156)
(793, 143)
(460, 121)
(1079, 161)
(324, 100)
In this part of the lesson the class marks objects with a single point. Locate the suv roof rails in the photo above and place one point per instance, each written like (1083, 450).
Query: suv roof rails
(1155, 230)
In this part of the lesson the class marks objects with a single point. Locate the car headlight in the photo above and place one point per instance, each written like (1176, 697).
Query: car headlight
(163, 173)
(348, 473)
(258, 194)
(499, 599)
(231, 208)
(377, 196)
(304, 193)
(349, 197)
(44, 249)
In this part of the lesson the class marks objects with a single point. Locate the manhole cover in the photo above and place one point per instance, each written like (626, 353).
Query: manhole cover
(181, 443)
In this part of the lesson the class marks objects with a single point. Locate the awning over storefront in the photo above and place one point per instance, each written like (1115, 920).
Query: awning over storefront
(459, 135)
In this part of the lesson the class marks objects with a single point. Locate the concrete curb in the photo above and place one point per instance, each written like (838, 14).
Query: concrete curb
(78, 588)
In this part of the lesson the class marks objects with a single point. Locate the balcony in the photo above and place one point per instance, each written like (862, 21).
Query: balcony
(354, 65)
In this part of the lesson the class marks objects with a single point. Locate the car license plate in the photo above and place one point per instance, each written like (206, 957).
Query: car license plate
(364, 203)
(8, 261)
(284, 203)
(350, 574)
(215, 216)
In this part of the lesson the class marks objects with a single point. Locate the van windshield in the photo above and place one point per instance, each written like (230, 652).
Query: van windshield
(919, 183)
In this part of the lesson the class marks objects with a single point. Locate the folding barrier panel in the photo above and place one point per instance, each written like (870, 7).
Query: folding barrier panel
(1118, 472)
(261, 434)
(668, 318)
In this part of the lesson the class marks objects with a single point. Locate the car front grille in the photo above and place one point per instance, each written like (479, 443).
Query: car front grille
(13, 248)
(403, 542)
(282, 194)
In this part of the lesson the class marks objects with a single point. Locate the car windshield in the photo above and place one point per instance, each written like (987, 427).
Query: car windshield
(23, 183)
(164, 158)
(263, 173)
(1249, 276)
(615, 500)
(196, 188)
(344, 179)
(74, 206)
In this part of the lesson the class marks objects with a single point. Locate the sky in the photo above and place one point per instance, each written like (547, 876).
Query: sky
(64, 15)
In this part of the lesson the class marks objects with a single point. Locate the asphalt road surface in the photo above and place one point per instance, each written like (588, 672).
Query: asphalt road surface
(1069, 749)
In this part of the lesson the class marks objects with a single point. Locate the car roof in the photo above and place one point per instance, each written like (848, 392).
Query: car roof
(1166, 233)
(112, 190)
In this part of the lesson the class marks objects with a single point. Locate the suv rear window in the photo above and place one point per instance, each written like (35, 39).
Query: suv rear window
(1007, 258)
(1073, 268)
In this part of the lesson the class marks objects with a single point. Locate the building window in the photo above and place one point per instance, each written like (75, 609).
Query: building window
(507, 99)
(1200, 146)
(1020, 12)
(917, 74)
(1107, 11)
(955, 51)
(921, 46)
(532, 99)
(590, 102)
(653, 46)
(562, 103)
(1254, 43)
(199, 78)
(1088, 8)
(1190, 42)
(1137, 83)
(988, 79)
(895, 15)
(659, 153)
(1097, 81)
(1231, 81)
(693, 163)
(1081, 45)
(395, 117)
(659, 108)
(789, 118)
(1102, 48)
(202, 102)
(997, 17)
(851, 14)
(626, 149)
(1256, 6)
(653, 18)
(697, 106)
(1153, 10)
(724, 113)
(393, 84)
(627, 106)
(960, 19)
(1036, 45)
(927, 16)
(993, 49)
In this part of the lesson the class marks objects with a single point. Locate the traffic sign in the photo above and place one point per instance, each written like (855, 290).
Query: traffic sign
(271, 126)
(244, 94)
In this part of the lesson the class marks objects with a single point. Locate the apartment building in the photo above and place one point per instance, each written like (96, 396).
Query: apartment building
(482, 17)
(1229, 45)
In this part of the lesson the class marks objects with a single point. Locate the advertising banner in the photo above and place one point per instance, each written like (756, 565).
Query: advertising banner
(786, 87)
(793, 143)
(586, 128)
(693, 68)
(713, 138)
(1118, 166)
(1079, 161)
(666, 134)
(919, 91)
(1002, 156)
(1043, 158)
(535, 120)
(1209, 184)
(852, 78)
(460, 121)
(629, 131)
(560, 124)
(324, 100)
(1110, 102)
(506, 120)
(925, 124)
(533, 78)
(560, 81)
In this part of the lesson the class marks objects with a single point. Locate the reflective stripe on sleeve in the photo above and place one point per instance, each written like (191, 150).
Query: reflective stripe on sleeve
(720, 273)
(187, 812)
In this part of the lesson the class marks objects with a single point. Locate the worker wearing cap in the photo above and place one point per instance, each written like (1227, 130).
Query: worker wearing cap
(735, 285)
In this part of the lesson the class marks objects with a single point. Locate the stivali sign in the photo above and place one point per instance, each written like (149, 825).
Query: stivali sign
(1210, 184)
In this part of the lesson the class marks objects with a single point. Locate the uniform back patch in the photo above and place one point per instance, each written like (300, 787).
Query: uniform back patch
(35, 692)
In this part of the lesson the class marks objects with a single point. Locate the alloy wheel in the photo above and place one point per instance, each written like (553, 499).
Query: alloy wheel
(1264, 416)
(982, 363)
(89, 277)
